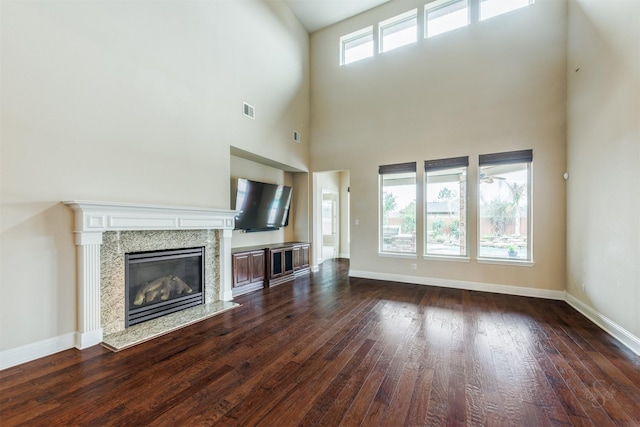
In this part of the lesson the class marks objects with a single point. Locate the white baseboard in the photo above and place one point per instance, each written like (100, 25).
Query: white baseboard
(36, 350)
(606, 324)
(89, 338)
(345, 255)
(459, 284)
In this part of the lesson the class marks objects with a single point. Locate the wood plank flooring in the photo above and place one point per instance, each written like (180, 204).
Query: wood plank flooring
(327, 350)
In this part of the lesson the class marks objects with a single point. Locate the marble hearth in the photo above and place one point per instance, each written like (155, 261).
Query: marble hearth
(105, 232)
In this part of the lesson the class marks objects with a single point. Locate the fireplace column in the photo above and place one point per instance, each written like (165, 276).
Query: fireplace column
(225, 266)
(89, 329)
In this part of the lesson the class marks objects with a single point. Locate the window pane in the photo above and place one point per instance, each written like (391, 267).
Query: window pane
(357, 45)
(446, 212)
(504, 211)
(491, 8)
(446, 18)
(399, 31)
(398, 199)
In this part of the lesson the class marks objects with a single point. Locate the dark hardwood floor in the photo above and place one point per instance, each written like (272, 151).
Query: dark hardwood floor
(328, 350)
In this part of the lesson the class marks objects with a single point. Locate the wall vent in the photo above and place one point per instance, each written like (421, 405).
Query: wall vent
(296, 136)
(249, 110)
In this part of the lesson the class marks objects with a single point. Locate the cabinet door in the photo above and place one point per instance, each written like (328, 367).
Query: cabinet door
(257, 266)
(276, 263)
(288, 261)
(297, 258)
(241, 269)
(304, 256)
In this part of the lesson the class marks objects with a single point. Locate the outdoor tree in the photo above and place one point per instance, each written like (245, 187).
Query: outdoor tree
(389, 205)
(446, 194)
(408, 215)
(517, 191)
(499, 214)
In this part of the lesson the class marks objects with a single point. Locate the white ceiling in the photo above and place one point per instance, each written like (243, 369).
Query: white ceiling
(317, 14)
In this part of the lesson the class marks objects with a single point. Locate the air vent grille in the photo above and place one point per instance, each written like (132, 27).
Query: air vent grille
(249, 110)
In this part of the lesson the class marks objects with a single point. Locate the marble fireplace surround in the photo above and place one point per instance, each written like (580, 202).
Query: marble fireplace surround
(104, 231)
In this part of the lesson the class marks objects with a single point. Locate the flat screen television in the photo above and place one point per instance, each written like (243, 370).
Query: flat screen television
(261, 206)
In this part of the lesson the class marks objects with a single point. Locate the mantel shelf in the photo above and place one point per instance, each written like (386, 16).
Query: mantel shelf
(110, 216)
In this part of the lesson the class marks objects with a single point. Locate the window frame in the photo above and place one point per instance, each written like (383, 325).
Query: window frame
(480, 2)
(474, 16)
(352, 37)
(506, 158)
(393, 21)
(442, 4)
(395, 169)
(453, 163)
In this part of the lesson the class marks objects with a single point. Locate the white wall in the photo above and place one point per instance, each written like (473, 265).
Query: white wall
(345, 200)
(301, 207)
(496, 85)
(603, 213)
(130, 101)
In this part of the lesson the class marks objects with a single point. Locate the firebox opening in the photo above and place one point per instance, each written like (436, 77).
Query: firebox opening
(161, 282)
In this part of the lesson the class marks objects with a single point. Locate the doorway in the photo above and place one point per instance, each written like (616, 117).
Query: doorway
(330, 224)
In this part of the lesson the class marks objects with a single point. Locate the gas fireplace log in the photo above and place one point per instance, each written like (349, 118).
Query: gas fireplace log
(162, 286)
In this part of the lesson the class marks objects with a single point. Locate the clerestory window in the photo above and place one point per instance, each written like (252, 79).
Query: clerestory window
(491, 8)
(442, 16)
(356, 46)
(398, 31)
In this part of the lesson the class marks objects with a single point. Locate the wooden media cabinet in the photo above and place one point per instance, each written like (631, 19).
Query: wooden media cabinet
(255, 267)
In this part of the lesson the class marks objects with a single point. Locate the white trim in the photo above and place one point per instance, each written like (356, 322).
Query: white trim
(398, 255)
(26, 353)
(398, 18)
(344, 255)
(437, 3)
(88, 339)
(226, 276)
(109, 216)
(451, 258)
(506, 261)
(606, 324)
(459, 284)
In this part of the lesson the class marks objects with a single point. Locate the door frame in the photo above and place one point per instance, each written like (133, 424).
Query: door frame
(334, 217)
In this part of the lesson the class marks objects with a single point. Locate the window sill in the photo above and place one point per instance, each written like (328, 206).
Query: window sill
(446, 258)
(517, 263)
(397, 255)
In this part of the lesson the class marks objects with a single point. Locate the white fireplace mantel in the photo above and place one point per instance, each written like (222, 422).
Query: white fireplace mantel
(94, 218)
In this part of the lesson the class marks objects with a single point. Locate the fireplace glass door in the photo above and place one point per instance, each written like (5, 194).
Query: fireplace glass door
(162, 282)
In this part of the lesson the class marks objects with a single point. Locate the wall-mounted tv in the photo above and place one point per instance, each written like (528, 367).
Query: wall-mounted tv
(261, 206)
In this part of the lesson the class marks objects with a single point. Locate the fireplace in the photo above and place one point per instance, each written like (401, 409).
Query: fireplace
(161, 282)
(106, 231)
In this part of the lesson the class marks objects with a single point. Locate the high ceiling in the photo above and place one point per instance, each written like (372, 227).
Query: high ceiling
(317, 14)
